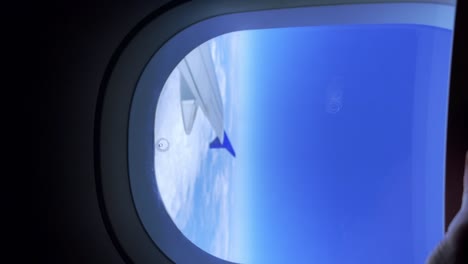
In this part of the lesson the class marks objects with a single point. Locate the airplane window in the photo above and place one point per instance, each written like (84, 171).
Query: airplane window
(270, 134)
(317, 143)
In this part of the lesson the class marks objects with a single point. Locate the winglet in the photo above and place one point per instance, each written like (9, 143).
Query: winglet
(225, 145)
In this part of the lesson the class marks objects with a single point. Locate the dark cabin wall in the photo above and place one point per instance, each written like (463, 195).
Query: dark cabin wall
(75, 43)
(457, 128)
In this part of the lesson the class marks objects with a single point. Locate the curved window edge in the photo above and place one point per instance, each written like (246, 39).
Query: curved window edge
(123, 199)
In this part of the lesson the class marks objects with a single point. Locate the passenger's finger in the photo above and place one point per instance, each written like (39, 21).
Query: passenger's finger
(453, 249)
(458, 228)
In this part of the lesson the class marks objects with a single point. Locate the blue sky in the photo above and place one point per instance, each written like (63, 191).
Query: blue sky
(332, 129)
(334, 186)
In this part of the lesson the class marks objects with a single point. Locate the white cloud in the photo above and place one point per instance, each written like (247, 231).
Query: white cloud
(216, 55)
(178, 168)
(221, 196)
(213, 49)
(234, 71)
(221, 242)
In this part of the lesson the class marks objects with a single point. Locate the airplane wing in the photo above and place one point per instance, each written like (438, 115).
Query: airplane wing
(199, 89)
(225, 145)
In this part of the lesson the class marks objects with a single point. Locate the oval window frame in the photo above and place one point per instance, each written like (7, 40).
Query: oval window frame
(124, 121)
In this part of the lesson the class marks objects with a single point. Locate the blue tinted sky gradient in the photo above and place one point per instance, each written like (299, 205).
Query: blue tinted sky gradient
(340, 123)
(339, 133)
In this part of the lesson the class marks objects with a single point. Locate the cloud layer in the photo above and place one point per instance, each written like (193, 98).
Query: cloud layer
(195, 182)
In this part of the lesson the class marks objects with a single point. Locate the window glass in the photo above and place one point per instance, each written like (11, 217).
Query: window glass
(308, 144)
